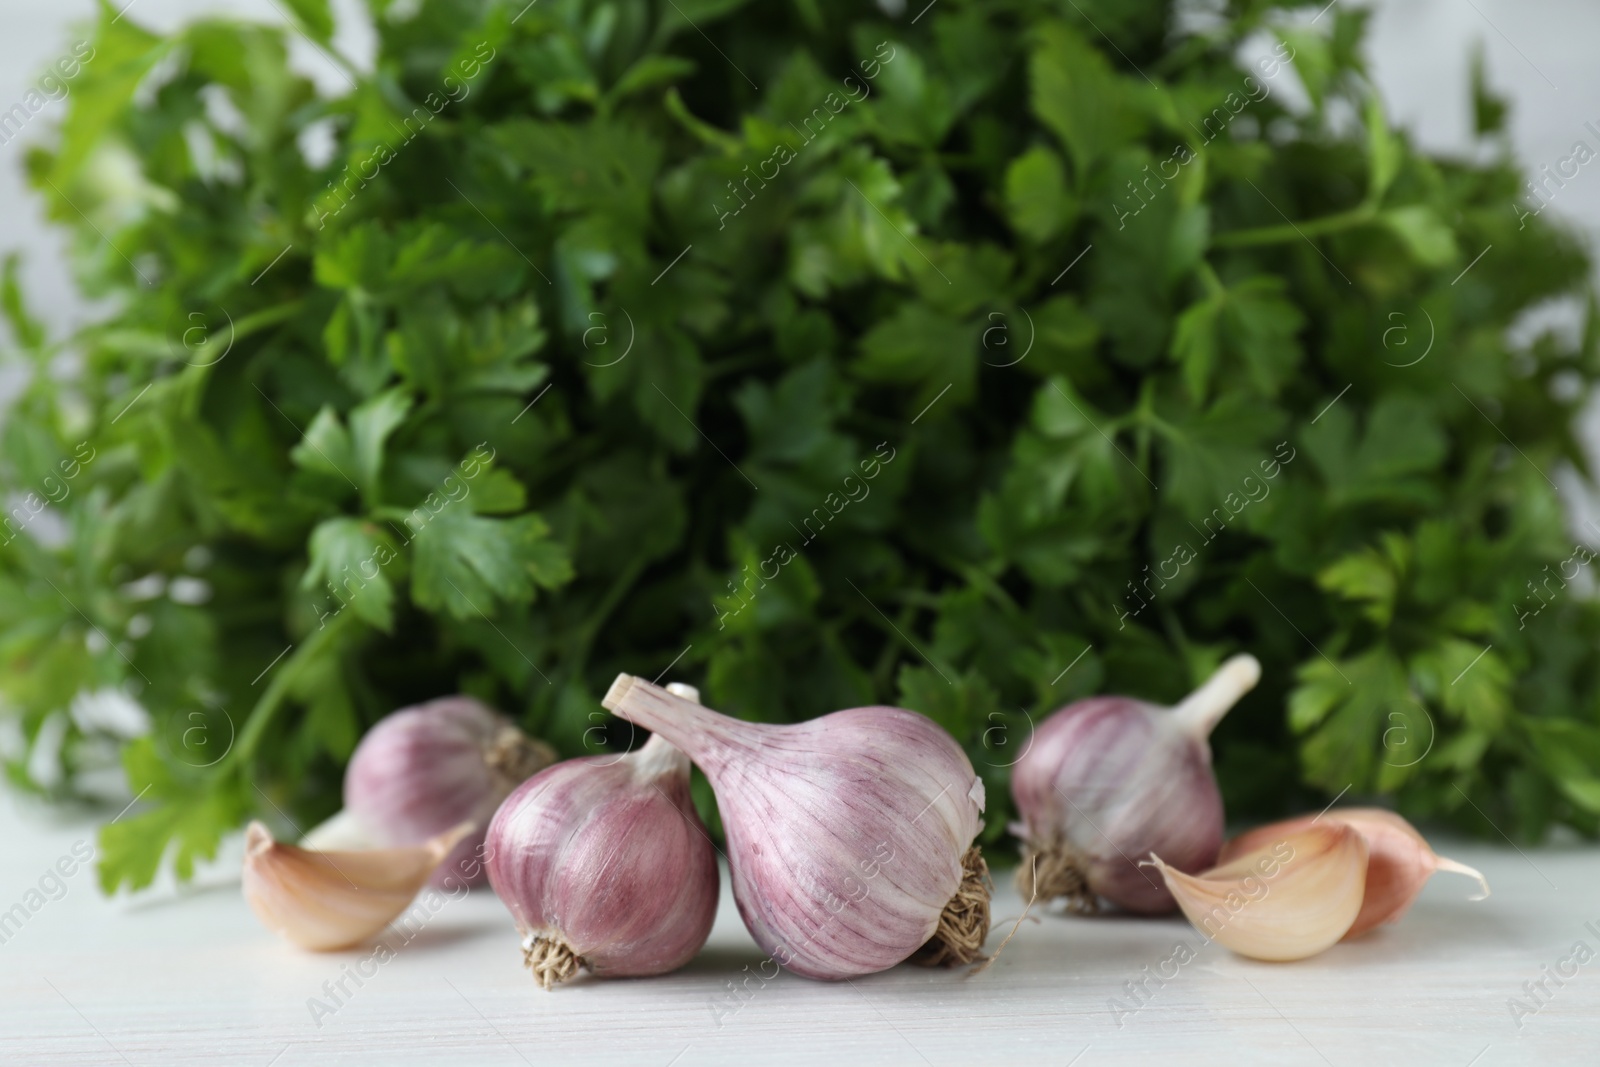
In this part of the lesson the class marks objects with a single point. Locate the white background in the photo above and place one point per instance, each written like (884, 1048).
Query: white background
(166, 980)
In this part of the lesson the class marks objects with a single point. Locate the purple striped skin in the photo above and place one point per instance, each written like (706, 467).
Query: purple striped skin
(845, 833)
(421, 771)
(608, 854)
(1138, 783)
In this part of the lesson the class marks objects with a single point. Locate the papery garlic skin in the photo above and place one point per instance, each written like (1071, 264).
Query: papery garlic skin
(1399, 861)
(425, 768)
(331, 900)
(1286, 900)
(604, 864)
(846, 834)
(1108, 780)
(339, 833)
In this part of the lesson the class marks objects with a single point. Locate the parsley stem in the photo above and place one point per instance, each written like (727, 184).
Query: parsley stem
(1143, 416)
(283, 675)
(1293, 231)
(578, 658)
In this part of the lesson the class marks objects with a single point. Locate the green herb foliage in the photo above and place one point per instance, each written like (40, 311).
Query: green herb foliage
(974, 361)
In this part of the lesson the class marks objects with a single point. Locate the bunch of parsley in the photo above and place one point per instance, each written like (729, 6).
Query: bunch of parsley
(972, 359)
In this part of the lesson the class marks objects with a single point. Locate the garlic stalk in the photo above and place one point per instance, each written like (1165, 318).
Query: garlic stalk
(330, 900)
(1287, 899)
(1399, 861)
(850, 837)
(1108, 780)
(422, 770)
(605, 865)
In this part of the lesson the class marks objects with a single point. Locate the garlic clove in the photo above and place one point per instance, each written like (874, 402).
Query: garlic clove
(1399, 861)
(1286, 900)
(330, 900)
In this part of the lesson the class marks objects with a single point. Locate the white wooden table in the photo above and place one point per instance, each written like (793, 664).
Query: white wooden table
(190, 978)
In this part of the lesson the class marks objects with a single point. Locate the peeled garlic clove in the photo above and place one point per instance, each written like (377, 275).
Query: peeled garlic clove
(1286, 900)
(423, 769)
(605, 865)
(329, 900)
(849, 836)
(1108, 780)
(1399, 861)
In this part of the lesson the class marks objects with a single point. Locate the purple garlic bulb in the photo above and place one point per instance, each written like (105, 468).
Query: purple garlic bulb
(850, 837)
(1109, 780)
(605, 866)
(425, 769)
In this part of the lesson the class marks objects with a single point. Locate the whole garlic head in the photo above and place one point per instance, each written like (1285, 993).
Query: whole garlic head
(426, 768)
(605, 865)
(849, 836)
(1109, 780)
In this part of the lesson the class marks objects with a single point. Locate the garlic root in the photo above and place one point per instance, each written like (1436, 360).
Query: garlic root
(1055, 870)
(514, 757)
(964, 923)
(550, 959)
(331, 900)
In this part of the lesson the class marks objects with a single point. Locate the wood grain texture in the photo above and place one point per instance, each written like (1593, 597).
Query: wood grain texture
(190, 978)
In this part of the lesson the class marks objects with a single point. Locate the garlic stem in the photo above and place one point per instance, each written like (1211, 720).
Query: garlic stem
(1202, 709)
(659, 758)
(687, 724)
(1442, 864)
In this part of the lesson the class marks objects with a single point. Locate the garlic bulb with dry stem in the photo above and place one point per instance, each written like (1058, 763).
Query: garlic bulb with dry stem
(605, 865)
(849, 836)
(1399, 861)
(1108, 780)
(1288, 899)
(329, 900)
(426, 768)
